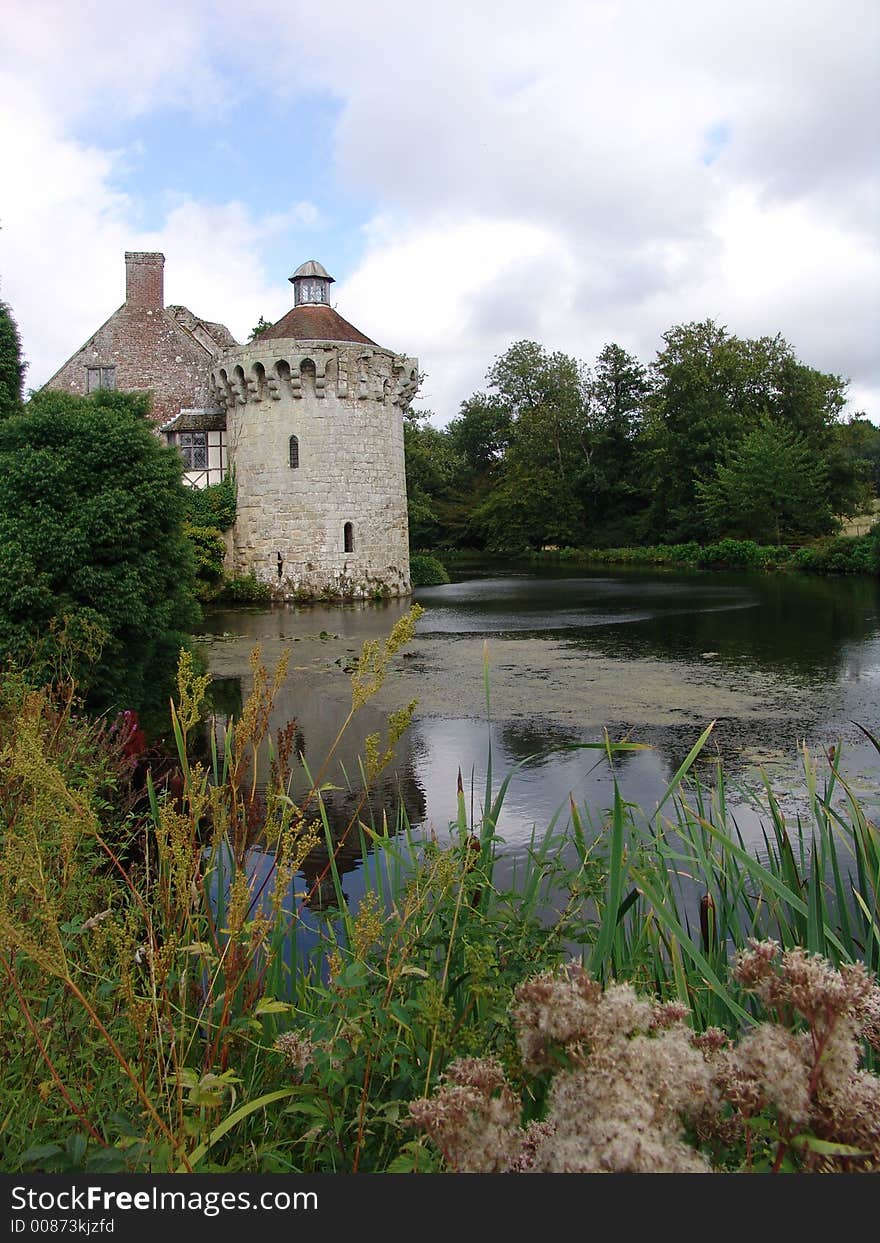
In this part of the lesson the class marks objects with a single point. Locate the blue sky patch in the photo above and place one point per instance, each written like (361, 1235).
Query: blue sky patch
(715, 139)
(268, 155)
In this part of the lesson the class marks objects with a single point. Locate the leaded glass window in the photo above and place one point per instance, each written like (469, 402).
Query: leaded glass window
(194, 450)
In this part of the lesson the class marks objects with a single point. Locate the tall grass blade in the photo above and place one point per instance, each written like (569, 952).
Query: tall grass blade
(684, 768)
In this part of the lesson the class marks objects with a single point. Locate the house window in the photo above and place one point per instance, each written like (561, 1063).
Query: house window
(194, 450)
(348, 537)
(294, 452)
(100, 377)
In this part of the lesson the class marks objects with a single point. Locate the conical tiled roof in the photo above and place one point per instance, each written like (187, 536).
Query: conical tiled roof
(314, 321)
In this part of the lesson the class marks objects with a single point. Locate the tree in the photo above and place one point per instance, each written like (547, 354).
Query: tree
(858, 439)
(709, 389)
(433, 472)
(481, 432)
(613, 488)
(617, 392)
(260, 327)
(772, 489)
(91, 507)
(12, 369)
(538, 486)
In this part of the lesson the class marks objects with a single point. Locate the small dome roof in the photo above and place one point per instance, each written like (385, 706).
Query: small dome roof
(311, 267)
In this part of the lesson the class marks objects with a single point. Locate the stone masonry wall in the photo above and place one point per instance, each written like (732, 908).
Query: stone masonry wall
(344, 404)
(148, 347)
(150, 352)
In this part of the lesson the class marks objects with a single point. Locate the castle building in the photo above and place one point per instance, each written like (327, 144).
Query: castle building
(308, 415)
(146, 345)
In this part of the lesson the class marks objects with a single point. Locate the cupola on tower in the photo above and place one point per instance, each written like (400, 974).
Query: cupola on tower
(311, 284)
(314, 433)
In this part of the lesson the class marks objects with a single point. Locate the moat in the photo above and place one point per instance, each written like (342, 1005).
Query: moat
(653, 657)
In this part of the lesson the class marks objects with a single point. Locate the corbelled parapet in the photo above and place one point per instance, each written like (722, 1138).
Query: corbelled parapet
(267, 372)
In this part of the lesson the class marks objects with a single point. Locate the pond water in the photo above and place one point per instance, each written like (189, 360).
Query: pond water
(653, 657)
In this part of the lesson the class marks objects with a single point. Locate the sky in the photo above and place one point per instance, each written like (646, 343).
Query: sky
(574, 172)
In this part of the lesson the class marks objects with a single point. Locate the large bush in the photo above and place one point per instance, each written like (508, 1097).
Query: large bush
(91, 506)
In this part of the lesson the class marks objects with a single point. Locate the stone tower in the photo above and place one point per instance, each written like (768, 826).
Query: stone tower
(314, 429)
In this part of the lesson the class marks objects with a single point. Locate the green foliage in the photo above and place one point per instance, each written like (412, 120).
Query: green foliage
(260, 327)
(731, 554)
(209, 548)
(772, 487)
(538, 489)
(612, 489)
(246, 590)
(213, 506)
(840, 555)
(434, 474)
(12, 368)
(91, 510)
(722, 437)
(482, 430)
(427, 571)
(710, 389)
(859, 442)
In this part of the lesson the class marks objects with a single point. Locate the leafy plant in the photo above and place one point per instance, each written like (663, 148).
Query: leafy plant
(91, 509)
(427, 571)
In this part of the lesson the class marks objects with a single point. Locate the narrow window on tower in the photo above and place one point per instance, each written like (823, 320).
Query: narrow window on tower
(294, 452)
(348, 537)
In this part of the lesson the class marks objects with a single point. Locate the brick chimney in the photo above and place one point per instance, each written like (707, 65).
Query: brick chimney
(144, 280)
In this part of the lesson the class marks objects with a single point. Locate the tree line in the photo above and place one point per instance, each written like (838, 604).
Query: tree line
(718, 437)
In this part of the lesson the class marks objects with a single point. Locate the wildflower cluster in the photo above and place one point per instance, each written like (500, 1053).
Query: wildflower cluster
(633, 1089)
(803, 1069)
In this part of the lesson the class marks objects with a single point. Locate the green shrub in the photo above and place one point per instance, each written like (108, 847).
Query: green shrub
(91, 545)
(210, 550)
(743, 555)
(427, 571)
(684, 554)
(840, 555)
(246, 590)
(213, 506)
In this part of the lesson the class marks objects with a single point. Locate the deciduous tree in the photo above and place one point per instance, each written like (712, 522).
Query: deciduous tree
(772, 489)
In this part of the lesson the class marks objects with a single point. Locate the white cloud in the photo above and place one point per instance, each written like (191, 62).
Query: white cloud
(531, 171)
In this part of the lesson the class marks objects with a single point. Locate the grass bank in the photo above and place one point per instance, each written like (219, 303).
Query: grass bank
(835, 555)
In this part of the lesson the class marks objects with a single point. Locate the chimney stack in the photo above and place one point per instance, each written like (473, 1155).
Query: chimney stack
(144, 280)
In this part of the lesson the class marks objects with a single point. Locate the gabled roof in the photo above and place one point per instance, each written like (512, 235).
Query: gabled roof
(314, 321)
(218, 333)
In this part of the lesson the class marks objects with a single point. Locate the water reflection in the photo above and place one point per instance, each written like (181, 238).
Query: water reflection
(777, 658)
(784, 622)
